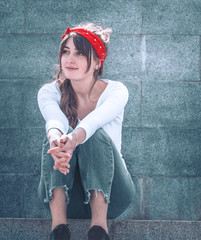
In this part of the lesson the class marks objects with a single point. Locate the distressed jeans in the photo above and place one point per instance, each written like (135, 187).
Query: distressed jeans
(95, 165)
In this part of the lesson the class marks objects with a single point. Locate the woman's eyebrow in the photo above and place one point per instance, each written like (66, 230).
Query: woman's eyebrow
(69, 48)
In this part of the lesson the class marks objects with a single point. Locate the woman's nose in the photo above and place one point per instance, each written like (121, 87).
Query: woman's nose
(70, 58)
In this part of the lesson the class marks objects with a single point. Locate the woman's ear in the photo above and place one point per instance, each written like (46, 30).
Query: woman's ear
(98, 65)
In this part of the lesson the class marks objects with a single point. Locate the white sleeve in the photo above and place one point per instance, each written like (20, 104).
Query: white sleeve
(112, 106)
(49, 104)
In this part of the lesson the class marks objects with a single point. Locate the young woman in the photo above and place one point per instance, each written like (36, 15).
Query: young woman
(83, 174)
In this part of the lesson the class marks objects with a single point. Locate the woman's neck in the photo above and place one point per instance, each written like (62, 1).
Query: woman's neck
(83, 88)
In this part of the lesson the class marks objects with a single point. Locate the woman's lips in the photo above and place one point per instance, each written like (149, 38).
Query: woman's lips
(71, 68)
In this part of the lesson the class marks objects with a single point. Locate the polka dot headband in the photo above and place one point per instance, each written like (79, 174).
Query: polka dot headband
(92, 38)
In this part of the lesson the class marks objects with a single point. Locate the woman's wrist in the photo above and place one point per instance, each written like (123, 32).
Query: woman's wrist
(53, 132)
(76, 137)
(80, 135)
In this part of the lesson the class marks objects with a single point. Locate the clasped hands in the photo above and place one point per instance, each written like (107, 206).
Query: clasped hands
(61, 150)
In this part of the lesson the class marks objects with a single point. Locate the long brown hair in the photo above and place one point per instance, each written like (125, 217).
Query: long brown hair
(69, 101)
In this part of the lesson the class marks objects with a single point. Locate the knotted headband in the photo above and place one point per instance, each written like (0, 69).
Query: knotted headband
(92, 38)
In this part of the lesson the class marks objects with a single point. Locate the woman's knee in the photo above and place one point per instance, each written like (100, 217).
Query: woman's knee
(99, 146)
(100, 136)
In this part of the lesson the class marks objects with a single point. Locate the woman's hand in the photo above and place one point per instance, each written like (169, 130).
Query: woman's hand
(69, 142)
(62, 151)
(64, 146)
(61, 159)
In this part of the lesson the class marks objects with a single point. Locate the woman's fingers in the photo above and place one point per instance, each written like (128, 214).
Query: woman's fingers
(61, 162)
(62, 166)
(69, 142)
(61, 155)
(64, 155)
(59, 152)
(64, 139)
(60, 159)
(58, 164)
(55, 158)
(64, 170)
(54, 140)
(54, 150)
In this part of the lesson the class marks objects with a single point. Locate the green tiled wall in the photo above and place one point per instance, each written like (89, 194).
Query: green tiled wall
(155, 52)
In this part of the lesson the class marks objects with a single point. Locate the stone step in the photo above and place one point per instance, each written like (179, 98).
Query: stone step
(38, 229)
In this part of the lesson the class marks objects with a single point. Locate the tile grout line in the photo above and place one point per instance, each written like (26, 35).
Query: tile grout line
(141, 106)
(142, 202)
(114, 33)
(200, 54)
(141, 15)
(25, 15)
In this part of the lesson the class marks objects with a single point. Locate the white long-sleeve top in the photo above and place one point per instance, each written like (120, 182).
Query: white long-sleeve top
(108, 113)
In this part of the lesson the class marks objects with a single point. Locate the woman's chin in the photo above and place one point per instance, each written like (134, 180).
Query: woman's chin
(70, 75)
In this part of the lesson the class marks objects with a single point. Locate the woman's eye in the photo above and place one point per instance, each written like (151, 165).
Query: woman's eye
(80, 53)
(65, 51)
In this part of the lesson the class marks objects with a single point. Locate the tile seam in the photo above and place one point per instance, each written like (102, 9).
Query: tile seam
(160, 128)
(114, 33)
(141, 15)
(165, 176)
(25, 16)
(141, 106)
(200, 54)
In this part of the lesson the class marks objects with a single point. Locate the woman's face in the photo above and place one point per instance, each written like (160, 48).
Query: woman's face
(74, 63)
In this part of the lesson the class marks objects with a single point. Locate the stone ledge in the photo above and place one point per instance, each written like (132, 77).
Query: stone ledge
(31, 229)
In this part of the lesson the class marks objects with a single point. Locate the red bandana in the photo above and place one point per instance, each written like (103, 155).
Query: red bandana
(92, 38)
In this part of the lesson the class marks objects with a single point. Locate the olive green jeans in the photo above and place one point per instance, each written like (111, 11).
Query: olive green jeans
(95, 165)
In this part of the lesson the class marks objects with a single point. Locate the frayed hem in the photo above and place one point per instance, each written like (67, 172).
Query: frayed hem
(50, 194)
(88, 195)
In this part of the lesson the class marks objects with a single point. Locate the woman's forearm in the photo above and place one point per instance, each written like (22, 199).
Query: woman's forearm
(49, 105)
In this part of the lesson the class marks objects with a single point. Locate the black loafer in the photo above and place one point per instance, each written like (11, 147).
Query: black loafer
(97, 233)
(61, 232)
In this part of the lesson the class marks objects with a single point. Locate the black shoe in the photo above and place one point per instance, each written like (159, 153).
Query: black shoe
(61, 232)
(97, 233)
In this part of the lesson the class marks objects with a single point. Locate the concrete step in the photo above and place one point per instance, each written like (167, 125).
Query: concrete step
(38, 229)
